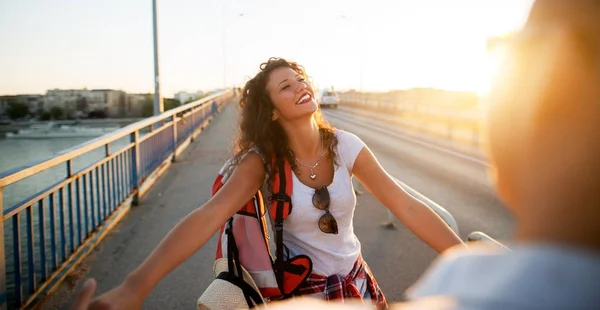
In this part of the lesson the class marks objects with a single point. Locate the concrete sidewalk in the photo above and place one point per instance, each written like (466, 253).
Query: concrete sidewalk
(183, 188)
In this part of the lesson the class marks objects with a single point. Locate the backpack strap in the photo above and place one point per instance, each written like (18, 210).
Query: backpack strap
(234, 266)
(281, 207)
(233, 256)
(280, 200)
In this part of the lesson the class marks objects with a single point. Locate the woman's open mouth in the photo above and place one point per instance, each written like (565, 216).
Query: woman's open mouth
(304, 99)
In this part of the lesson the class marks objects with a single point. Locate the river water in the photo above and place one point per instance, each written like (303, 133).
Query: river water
(18, 152)
(15, 153)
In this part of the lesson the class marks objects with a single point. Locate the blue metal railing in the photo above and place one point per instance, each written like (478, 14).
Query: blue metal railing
(47, 234)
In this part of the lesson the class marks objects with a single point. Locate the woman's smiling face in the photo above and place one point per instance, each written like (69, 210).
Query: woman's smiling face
(291, 94)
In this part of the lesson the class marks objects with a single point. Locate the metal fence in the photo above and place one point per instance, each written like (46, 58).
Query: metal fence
(456, 116)
(48, 233)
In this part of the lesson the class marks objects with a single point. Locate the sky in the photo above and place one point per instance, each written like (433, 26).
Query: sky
(372, 45)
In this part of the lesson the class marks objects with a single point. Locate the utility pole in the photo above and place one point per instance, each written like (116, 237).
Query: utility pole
(224, 41)
(158, 102)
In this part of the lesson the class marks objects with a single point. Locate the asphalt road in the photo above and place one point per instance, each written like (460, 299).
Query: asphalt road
(396, 257)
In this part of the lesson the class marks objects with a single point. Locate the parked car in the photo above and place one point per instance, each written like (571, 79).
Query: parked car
(328, 99)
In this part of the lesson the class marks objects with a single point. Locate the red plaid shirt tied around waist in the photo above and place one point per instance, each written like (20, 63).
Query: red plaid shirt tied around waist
(338, 287)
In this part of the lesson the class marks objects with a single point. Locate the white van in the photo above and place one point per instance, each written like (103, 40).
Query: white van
(328, 98)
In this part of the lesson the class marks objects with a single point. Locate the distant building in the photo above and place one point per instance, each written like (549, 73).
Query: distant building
(112, 102)
(4, 102)
(185, 97)
(134, 104)
(35, 103)
(74, 102)
(82, 102)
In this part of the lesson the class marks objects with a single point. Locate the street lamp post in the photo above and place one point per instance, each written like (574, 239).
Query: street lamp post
(361, 49)
(158, 102)
(224, 39)
(224, 42)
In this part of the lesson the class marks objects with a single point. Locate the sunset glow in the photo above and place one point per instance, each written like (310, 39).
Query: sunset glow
(373, 45)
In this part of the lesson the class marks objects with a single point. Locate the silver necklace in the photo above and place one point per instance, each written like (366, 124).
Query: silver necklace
(311, 168)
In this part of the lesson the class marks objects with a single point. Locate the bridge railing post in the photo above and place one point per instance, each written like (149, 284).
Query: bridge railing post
(3, 293)
(475, 135)
(193, 124)
(174, 122)
(135, 166)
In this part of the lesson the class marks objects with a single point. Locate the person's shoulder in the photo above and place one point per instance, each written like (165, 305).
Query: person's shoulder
(256, 151)
(492, 276)
(253, 158)
(250, 166)
(345, 137)
(459, 256)
(340, 133)
(455, 268)
(249, 163)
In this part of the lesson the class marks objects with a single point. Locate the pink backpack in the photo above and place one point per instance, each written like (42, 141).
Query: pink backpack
(244, 240)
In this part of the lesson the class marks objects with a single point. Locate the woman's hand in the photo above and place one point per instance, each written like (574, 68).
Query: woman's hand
(120, 298)
(85, 295)
(184, 239)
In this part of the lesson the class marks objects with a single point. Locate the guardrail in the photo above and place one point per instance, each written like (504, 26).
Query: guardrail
(455, 116)
(63, 222)
(479, 236)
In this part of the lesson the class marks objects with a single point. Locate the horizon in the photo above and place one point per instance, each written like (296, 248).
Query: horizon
(216, 89)
(402, 44)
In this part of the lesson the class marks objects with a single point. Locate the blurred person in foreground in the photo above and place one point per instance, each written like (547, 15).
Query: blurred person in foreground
(544, 145)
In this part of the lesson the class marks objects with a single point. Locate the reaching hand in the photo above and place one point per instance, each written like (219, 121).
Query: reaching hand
(85, 295)
(120, 298)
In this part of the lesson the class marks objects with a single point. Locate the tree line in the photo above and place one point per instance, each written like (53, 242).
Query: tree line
(19, 110)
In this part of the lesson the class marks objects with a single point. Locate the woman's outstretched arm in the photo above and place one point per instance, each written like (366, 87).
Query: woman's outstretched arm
(189, 235)
(417, 216)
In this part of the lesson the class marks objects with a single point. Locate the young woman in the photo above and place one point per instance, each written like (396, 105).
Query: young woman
(281, 119)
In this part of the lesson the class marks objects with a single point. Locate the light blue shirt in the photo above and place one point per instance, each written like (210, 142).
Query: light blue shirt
(529, 277)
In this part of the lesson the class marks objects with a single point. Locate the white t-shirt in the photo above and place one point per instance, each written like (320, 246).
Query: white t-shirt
(330, 254)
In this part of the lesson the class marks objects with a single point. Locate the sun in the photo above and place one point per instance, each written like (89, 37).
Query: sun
(494, 60)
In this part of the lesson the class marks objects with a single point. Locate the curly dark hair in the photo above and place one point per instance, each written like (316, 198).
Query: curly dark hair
(257, 130)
